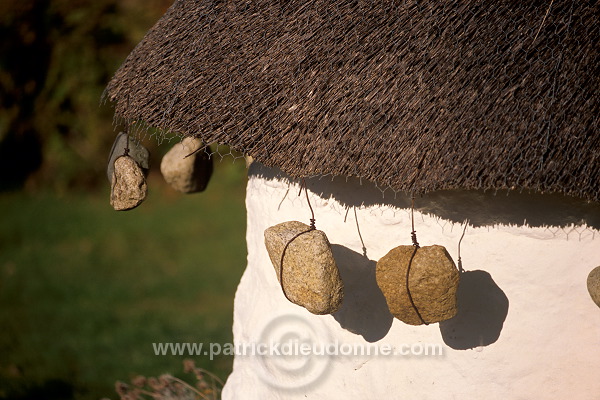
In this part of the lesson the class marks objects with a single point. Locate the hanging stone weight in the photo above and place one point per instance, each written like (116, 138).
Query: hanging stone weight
(249, 160)
(310, 276)
(593, 285)
(187, 167)
(433, 282)
(128, 188)
(139, 153)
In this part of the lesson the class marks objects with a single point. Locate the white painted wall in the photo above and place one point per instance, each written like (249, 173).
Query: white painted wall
(549, 343)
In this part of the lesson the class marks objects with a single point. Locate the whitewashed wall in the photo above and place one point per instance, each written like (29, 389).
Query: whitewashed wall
(527, 328)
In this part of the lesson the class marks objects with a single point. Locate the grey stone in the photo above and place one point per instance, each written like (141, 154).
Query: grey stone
(310, 275)
(433, 282)
(184, 171)
(137, 151)
(593, 285)
(129, 186)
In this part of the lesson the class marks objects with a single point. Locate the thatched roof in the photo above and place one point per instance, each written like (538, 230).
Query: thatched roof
(419, 96)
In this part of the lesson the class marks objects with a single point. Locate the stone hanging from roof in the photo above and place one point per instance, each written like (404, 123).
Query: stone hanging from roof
(593, 285)
(137, 151)
(187, 167)
(429, 293)
(129, 187)
(309, 276)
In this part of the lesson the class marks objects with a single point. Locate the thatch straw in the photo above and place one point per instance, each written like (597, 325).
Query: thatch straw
(419, 96)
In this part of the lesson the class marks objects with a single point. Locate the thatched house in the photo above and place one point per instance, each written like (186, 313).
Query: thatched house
(451, 101)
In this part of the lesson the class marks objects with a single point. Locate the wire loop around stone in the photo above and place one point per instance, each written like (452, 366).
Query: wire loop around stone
(413, 236)
(312, 228)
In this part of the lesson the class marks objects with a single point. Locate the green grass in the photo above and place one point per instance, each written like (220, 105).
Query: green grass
(85, 290)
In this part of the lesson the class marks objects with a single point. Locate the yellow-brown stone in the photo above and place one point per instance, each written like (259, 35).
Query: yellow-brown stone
(310, 275)
(593, 285)
(187, 167)
(433, 282)
(129, 187)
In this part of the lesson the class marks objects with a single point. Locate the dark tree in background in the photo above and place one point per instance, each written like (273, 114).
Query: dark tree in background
(55, 60)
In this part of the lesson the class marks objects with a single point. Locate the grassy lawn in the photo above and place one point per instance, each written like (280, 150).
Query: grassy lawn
(85, 290)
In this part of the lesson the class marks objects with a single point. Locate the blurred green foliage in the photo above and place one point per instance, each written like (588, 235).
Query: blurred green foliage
(85, 290)
(56, 57)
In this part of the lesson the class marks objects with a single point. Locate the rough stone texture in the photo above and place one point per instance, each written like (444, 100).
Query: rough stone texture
(593, 285)
(433, 282)
(551, 328)
(129, 186)
(187, 174)
(137, 151)
(310, 275)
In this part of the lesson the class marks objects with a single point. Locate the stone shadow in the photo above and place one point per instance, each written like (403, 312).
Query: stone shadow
(482, 304)
(364, 310)
(482, 309)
